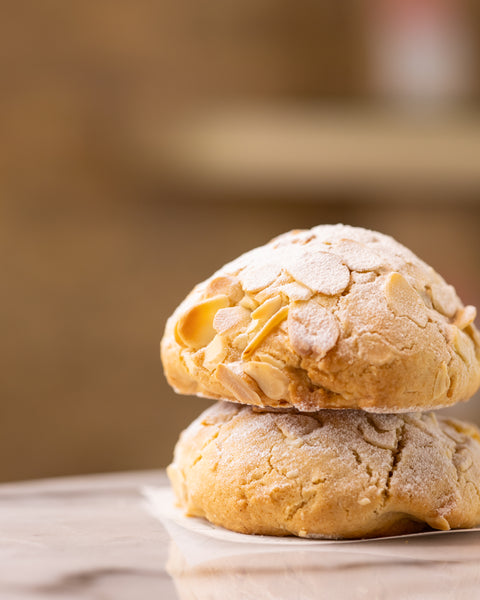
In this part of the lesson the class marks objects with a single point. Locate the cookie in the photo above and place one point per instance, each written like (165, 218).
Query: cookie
(333, 474)
(333, 317)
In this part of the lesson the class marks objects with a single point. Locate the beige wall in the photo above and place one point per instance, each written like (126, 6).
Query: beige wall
(97, 250)
(89, 286)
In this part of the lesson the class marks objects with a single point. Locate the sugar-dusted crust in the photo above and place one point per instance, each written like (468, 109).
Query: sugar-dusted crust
(336, 474)
(333, 317)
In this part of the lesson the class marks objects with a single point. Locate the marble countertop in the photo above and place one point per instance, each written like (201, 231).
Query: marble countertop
(82, 537)
(92, 537)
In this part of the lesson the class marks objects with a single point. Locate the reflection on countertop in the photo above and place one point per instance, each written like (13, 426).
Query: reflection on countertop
(302, 574)
(92, 537)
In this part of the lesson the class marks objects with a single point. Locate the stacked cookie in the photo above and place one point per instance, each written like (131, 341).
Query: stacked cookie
(325, 348)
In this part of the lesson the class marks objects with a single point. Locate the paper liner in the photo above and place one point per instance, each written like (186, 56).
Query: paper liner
(201, 542)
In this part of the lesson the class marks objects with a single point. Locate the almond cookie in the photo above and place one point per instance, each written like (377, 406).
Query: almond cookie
(334, 474)
(333, 317)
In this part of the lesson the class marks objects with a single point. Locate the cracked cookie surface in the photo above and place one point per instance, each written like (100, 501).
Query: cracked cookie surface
(332, 317)
(335, 474)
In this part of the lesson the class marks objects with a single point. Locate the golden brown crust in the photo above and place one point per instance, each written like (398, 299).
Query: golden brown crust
(337, 474)
(334, 317)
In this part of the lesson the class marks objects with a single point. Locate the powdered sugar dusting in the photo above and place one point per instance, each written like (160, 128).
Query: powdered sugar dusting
(229, 318)
(357, 256)
(257, 277)
(322, 272)
(312, 329)
(265, 267)
(296, 291)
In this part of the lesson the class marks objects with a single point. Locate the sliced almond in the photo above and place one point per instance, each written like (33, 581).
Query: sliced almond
(457, 431)
(273, 289)
(292, 474)
(253, 327)
(301, 236)
(248, 302)
(273, 322)
(272, 381)
(404, 301)
(230, 318)
(374, 349)
(366, 277)
(189, 363)
(364, 501)
(257, 277)
(296, 291)
(465, 317)
(276, 362)
(226, 285)
(445, 299)
(215, 353)
(463, 459)
(475, 335)
(322, 272)
(375, 436)
(267, 309)
(463, 346)
(231, 378)
(185, 372)
(358, 257)
(240, 342)
(195, 327)
(442, 382)
(312, 329)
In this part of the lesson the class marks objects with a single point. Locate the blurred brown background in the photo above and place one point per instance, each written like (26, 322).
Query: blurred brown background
(144, 144)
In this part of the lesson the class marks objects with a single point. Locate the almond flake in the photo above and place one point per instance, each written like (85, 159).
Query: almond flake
(231, 378)
(195, 327)
(215, 353)
(273, 322)
(230, 318)
(312, 329)
(463, 346)
(296, 236)
(276, 362)
(322, 272)
(240, 342)
(361, 278)
(364, 501)
(374, 349)
(248, 302)
(442, 381)
(336, 233)
(273, 289)
(253, 327)
(445, 299)
(463, 459)
(267, 309)
(257, 277)
(189, 363)
(358, 257)
(224, 284)
(404, 301)
(292, 474)
(296, 291)
(272, 381)
(465, 317)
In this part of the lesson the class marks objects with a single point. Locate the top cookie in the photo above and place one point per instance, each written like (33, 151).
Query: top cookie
(332, 317)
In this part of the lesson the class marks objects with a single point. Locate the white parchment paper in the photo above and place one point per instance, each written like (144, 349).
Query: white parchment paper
(201, 542)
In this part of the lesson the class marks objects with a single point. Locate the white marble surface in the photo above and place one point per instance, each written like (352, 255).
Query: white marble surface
(92, 537)
(86, 537)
